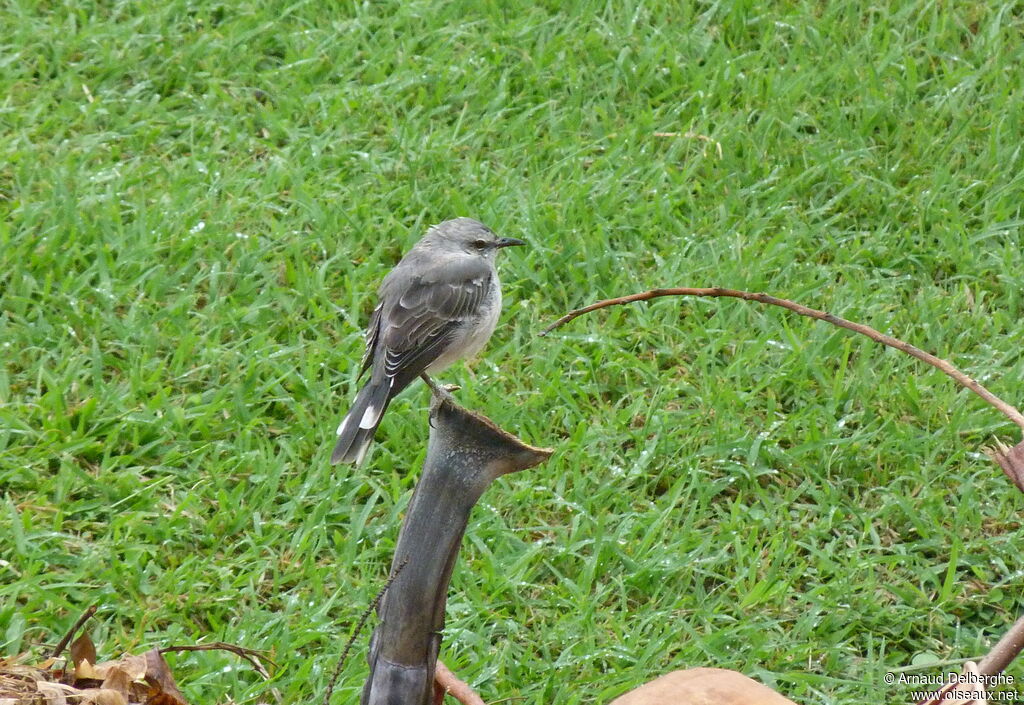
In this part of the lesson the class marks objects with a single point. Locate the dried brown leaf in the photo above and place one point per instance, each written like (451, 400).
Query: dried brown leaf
(84, 670)
(163, 689)
(1011, 460)
(54, 693)
(163, 699)
(702, 685)
(133, 666)
(82, 649)
(117, 680)
(100, 696)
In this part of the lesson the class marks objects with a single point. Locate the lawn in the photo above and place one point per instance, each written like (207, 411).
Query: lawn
(197, 201)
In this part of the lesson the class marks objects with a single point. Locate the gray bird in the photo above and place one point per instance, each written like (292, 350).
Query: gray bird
(439, 305)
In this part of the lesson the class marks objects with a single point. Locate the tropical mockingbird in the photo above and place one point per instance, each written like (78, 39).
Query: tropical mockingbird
(438, 305)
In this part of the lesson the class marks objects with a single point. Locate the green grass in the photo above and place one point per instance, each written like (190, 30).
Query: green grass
(197, 200)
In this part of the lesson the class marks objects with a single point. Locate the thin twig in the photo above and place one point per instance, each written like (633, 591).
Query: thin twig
(938, 363)
(62, 644)
(454, 686)
(970, 691)
(253, 656)
(1005, 650)
(979, 674)
(359, 627)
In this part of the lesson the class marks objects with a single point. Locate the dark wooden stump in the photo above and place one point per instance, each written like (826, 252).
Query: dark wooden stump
(465, 454)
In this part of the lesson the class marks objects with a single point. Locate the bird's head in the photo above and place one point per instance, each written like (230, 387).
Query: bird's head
(469, 236)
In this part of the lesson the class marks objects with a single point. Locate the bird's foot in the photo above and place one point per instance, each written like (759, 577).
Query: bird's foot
(440, 390)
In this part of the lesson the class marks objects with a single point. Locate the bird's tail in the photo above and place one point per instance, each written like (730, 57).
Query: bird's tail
(356, 431)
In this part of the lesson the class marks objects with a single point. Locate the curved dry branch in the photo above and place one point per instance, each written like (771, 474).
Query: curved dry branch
(1005, 651)
(66, 639)
(938, 363)
(1011, 460)
(450, 684)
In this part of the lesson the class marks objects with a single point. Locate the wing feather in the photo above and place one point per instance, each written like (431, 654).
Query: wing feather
(420, 314)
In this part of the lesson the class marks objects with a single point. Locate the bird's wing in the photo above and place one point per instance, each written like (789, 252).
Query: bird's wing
(420, 313)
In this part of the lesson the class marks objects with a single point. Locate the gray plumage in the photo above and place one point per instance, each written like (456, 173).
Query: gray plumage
(439, 305)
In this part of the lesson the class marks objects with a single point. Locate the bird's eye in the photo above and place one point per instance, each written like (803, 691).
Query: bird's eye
(480, 244)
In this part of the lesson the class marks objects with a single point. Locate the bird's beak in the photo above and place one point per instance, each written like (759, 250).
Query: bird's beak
(508, 242)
